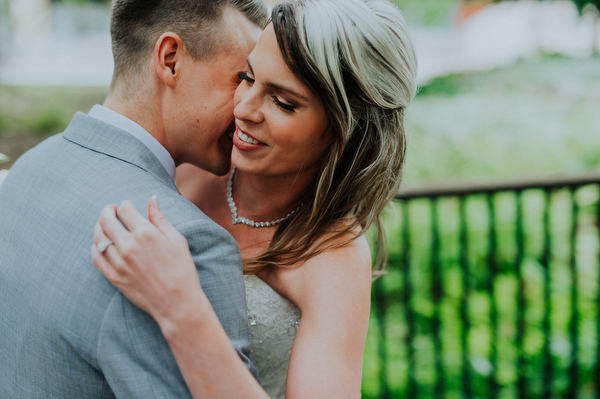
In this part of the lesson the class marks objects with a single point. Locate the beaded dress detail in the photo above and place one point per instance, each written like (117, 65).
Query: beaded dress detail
(274, 324)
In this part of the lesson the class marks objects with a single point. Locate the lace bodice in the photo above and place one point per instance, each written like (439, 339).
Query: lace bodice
(274, 324)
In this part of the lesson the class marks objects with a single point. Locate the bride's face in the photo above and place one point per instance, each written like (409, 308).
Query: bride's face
(282, 126)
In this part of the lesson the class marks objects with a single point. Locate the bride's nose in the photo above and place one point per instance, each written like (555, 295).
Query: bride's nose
(248, 105)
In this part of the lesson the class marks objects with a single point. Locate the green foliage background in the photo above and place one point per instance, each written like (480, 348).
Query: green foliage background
(534, 119)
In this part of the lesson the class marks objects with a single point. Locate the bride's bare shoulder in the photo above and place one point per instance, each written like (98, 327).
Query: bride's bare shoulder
(335, 274)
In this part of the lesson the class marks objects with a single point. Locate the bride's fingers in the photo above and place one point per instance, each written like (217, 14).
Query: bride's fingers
(131, 218)
(99, 235)
(110, 253)
(157, 218)
(109, 262)
(104, 265)
(162, 223)
(112, 227)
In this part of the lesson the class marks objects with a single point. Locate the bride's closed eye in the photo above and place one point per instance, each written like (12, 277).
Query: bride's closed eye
(282, 105)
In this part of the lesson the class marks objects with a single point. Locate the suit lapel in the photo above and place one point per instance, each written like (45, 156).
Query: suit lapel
(106, 139)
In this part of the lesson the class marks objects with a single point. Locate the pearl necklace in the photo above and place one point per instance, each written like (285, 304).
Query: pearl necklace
(235, 219)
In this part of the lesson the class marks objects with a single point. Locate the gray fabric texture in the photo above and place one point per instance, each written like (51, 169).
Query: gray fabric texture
(65, 331)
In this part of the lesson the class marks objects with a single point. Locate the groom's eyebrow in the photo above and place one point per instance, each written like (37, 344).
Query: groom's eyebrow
(279, 87)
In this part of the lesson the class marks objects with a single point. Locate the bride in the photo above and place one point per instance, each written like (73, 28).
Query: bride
(318, 152)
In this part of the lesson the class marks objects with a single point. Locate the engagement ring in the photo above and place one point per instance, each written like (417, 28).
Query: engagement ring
(103, 245)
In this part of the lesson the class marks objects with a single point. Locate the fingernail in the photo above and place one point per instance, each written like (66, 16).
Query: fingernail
(154, 200)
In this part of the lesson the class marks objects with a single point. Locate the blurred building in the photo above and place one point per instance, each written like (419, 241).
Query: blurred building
(48, 43)
(55, 43)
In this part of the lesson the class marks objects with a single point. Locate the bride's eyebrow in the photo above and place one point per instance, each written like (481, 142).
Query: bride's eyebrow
(279, 87)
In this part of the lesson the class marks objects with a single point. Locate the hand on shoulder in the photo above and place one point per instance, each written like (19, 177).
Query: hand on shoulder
(149, 262)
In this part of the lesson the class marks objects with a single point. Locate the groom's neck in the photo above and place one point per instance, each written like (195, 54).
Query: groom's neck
(141, 108)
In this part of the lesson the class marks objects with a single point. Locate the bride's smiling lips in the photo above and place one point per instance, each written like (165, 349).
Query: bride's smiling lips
(245, 142)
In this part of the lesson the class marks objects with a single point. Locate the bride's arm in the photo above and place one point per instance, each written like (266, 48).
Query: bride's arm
(140, 264)
(151, 265)
(333, 291)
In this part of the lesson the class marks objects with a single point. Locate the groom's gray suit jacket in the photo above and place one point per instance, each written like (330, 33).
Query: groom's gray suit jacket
(65, 332)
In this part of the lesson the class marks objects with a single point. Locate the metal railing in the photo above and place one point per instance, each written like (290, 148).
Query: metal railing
(492, 291)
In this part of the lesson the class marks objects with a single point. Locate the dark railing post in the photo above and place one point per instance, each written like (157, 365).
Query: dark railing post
(547, 370)
(521, 302)
(464, 302)
(437, 293)
(493, 272)
(597, 365)
(412, 391)
(574, 322)
(380, 311)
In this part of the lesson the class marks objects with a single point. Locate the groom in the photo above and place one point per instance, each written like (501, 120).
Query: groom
(65, 332)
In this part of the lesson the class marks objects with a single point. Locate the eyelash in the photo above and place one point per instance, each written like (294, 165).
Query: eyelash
(244, 76)
(281, 105)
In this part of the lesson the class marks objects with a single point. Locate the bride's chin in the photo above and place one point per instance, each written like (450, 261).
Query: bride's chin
(238, 160)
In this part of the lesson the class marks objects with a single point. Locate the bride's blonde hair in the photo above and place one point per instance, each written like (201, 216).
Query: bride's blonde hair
(358, 58)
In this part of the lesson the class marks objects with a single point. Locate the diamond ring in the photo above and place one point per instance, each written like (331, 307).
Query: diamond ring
(102, 245)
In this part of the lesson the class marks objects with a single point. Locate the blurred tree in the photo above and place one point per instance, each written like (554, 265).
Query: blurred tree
(4, 27)
(81, 1)
(582, 3)
(429, 12)
(582, 6)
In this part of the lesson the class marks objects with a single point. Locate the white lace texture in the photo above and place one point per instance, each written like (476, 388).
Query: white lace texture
(274, 323)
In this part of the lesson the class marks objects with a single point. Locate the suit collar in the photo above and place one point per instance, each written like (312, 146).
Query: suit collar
(122, 122)
(104, 138)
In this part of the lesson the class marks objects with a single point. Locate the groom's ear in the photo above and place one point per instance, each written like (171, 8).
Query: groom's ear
(167, 54)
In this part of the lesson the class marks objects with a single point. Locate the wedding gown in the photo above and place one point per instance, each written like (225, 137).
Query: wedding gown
(274, 324)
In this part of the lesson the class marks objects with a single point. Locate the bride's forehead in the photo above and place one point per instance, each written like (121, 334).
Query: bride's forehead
(267, 40)
(267, 55)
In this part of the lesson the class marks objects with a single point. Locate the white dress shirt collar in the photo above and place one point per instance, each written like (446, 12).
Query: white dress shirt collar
(111, 117)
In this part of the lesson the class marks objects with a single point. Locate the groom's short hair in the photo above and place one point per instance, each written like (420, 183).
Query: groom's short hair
(136, 25)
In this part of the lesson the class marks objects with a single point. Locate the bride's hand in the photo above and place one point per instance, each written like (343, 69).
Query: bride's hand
(150, 264)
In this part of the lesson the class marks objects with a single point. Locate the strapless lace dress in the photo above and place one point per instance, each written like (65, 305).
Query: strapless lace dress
(274, 324)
